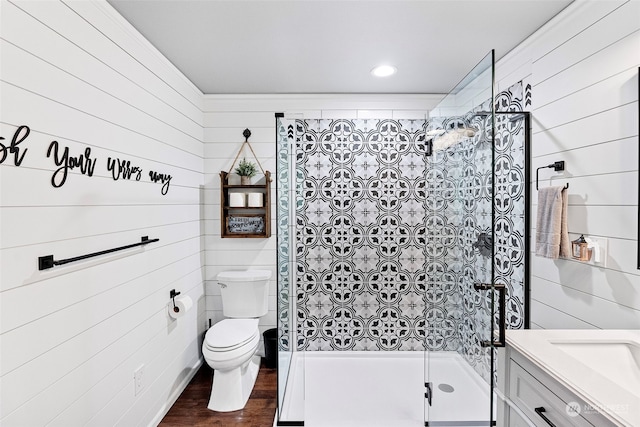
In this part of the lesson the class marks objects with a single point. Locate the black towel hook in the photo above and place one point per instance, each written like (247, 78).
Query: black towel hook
(557, 166)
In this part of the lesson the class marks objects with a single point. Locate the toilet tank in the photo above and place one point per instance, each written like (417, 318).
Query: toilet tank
(244, 293)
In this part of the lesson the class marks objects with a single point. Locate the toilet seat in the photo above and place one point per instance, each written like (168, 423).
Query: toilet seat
(231, 334)
(231, 343)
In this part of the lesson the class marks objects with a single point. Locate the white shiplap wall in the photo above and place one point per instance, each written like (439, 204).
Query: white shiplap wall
(225, 117)
(71, 337)
(74, 72)
(583, 69)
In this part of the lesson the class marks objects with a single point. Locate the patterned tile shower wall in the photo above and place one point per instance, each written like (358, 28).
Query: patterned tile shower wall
(360, 234)
(511, 183)
(388, 244)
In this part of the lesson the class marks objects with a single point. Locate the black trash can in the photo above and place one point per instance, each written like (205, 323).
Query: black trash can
(270, 337)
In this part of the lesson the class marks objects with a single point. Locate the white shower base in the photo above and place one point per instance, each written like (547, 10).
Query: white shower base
(383, 389)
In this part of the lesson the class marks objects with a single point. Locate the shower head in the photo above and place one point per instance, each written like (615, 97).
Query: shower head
(482, 114)
(467, 132)
(451, 137)
(435, 132)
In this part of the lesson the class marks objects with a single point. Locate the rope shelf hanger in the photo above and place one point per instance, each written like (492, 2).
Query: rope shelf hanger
(246, 133)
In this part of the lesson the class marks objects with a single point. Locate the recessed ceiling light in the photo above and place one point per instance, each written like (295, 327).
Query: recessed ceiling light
(384, 71)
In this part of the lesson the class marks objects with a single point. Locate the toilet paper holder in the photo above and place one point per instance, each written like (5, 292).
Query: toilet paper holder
(173, 294)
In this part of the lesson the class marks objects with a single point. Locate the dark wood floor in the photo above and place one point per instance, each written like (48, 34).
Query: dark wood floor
(191, 407)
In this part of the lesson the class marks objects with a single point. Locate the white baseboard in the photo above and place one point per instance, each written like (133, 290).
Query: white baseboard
(176, 393)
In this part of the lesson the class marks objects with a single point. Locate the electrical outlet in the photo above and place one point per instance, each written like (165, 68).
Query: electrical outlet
(138, 379)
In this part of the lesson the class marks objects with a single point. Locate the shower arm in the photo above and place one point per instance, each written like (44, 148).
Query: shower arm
(502, 290)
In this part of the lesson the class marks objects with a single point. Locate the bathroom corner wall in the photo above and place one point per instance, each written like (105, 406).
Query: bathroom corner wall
(226, 116)
(582, 71)
(71, 337)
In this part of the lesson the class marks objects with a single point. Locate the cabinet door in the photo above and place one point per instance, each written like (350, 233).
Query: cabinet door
(515, 420)
(538, 402)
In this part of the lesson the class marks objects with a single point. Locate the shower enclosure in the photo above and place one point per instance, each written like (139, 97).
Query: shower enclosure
(402, 256)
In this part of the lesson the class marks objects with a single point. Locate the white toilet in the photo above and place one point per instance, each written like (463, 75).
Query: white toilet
(230, 345)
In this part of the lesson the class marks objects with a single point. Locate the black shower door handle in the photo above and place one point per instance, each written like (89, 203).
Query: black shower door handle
(502, 306)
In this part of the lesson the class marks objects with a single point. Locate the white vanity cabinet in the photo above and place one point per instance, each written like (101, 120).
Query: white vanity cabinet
(534, 398)
(512, 418)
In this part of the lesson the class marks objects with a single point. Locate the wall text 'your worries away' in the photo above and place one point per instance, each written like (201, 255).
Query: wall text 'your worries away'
(83, 162)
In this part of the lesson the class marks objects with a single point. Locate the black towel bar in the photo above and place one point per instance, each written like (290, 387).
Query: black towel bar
(557, 166)
(47, 261)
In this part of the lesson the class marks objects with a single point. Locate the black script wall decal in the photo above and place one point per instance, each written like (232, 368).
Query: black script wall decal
(123, 169)
(119, 168)
(67, 163)
(164, 178)
(13, 148)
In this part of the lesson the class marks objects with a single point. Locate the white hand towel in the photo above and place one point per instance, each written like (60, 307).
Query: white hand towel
(552, 236)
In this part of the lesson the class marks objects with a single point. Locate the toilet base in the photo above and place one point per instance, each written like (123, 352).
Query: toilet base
(231, 389)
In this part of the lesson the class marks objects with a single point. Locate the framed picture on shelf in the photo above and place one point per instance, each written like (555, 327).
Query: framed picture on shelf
(245, 224)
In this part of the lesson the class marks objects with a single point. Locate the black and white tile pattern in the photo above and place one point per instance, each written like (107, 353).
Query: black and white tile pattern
(388, 242)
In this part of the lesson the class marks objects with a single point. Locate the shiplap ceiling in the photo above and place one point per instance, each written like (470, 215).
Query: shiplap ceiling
(330, 46)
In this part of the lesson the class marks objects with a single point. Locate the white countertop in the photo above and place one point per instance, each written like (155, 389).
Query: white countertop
(602, 367)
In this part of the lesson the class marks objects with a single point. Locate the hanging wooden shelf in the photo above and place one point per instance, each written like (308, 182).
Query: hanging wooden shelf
(241, 217)
(245, 210)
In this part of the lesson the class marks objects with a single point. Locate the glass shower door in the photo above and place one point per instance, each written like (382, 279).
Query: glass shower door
(460, 294)
(290, 381)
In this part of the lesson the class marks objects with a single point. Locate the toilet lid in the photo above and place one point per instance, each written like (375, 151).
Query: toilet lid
(231, 333)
